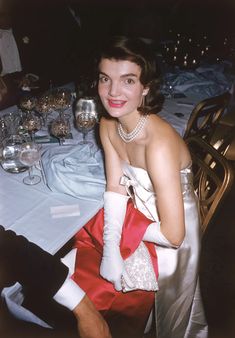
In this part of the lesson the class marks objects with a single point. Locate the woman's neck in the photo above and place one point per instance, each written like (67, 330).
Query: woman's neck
(129, 122)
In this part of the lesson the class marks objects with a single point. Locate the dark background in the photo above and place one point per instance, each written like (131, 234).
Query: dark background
(60, 50)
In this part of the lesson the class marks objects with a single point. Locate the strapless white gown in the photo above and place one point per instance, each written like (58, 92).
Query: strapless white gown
(179, 311)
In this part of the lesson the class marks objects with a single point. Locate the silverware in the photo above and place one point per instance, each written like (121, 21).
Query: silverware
(42, 172)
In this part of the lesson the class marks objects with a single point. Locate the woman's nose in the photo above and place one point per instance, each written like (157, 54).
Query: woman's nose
(114, 89)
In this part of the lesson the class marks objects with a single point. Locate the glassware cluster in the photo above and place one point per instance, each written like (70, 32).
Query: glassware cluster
(19, 148)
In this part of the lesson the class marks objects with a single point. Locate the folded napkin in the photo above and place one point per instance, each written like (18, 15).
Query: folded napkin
(75, 170)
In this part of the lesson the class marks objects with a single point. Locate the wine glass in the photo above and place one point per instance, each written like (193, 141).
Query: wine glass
(44, 106)
(29, 156)
(28, 103)
(10, 152)
(62, 100)
(12, 121)
(32, 123)
(60, 128)
(84, 123)
(85, 116)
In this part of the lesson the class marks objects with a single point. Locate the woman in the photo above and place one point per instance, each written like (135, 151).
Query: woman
(148, 162)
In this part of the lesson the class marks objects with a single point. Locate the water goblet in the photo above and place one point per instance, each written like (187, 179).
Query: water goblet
(86, 116)
(29, 156)
(10, 153)
(60, 128)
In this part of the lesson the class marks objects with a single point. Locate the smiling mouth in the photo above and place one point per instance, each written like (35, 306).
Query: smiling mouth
(116, 103)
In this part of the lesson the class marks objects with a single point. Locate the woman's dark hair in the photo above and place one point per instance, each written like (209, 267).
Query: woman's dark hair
(139, 52)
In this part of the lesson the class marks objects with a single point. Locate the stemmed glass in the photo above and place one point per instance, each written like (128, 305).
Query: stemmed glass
(60, 128)
(10, 122)
(84, 123)
(85, 116)
(62, 100)
(10, 149)
(28, 103)
(44, 106)
(32, 123)
(29, 156)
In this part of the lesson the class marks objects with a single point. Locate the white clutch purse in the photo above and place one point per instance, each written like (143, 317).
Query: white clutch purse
(140, 270)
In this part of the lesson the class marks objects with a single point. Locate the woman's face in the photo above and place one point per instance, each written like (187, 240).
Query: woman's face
(119, 87)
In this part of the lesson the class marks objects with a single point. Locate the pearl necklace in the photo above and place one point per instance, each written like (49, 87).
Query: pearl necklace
(128, 137)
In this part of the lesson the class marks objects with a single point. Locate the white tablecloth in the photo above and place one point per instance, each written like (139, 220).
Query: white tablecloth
(28, 210)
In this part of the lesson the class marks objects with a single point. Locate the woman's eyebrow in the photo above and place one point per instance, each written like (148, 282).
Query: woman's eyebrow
(102, 73)
(129, 74)
(124, 75)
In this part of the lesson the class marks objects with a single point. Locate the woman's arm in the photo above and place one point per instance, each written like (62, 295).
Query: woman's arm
(115, 204)
(163, 164)
(113, 167)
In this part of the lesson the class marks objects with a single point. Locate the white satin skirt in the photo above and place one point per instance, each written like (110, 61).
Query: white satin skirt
(179, 310)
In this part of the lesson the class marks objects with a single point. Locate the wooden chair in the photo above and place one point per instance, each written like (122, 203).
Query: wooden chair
(213, 177)
(206, 115)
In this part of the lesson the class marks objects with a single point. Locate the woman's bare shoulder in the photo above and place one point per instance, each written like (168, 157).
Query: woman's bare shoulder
(166, 142)
(107, 129)
(161, 130)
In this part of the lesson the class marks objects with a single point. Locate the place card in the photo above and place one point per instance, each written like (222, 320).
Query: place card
(65, 211)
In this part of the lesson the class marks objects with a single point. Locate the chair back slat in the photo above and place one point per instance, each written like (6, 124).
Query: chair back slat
(213, 177)
(205, 116)
(222, 141)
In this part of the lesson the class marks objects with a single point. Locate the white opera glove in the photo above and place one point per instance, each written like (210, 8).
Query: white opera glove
(153, 234)
(112, 266)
